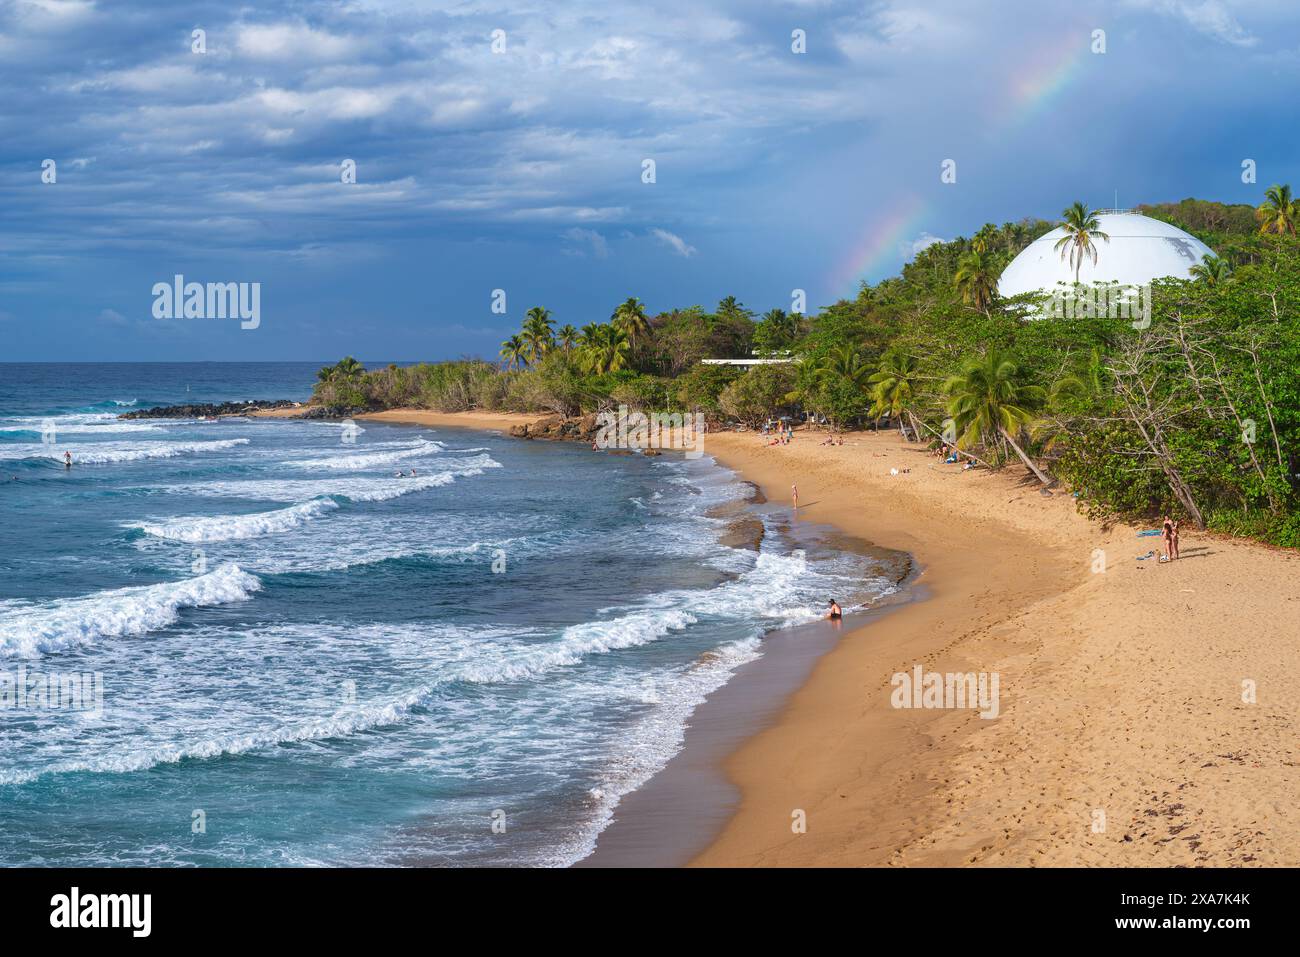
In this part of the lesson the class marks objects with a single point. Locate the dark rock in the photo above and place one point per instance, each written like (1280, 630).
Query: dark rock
(207, 409)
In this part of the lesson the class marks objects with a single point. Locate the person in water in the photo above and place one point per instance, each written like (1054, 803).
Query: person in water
(67, 460)
(835, 613)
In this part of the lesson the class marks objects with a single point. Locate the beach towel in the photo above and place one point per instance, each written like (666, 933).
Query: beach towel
(1153, 531)
(1143, 558)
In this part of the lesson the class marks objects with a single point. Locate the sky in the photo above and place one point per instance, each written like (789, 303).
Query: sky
(504, 146)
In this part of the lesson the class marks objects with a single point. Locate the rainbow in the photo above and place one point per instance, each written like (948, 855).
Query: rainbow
(1044, 79)
(878, 247)
(1029, 94)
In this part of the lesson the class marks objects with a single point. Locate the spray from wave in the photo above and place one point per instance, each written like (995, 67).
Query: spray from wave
(225, 528)
(28, 631)
(105, 453)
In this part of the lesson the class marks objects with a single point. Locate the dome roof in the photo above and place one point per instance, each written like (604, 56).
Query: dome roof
(1140, 249)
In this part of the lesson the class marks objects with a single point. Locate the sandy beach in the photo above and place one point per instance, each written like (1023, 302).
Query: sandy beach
(1145, 714)
(1121, 691)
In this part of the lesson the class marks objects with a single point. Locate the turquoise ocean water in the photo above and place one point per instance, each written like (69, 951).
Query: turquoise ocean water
(305, 660)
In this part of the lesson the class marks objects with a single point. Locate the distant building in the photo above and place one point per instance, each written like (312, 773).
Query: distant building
(745, 362)
(1140, 249)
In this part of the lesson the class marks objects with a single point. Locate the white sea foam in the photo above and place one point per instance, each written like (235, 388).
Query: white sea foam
(656, 738)
(224, 528)
(370, 459)
(101, 453)
(66, 622)
(358, 489)
(75, 423)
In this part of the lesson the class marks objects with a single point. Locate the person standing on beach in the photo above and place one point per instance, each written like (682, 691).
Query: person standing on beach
(794, 494)
(1169, 535)
(1173, 543)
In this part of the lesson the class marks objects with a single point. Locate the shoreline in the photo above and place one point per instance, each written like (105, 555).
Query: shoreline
(1121, 690)
(683, 808)
(1123, 738)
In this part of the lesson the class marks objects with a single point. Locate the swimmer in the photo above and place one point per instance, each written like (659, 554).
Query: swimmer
(67, 460)
(835, 614)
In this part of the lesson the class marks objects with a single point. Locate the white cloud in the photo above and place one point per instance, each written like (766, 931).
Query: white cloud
(1211, 17)
(586, 240)
(672, 240)
(293, 41)
(912, 247)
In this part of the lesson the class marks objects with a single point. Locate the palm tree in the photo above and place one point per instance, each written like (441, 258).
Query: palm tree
(982, 240)
(989, 396)
(976, 278)
(606, 349)
(1081, 228)
(567, 337)
(893, 386)
(513, 351)
(781, 327)
(1279, 212)
(809, 374)
(848, 365)
(1014, 235)
(537, 332)
(732, 308)
(344, 369)
(1212, 270)
(631, 318)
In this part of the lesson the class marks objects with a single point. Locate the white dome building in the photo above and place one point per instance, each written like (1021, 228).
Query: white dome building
(1140, 249)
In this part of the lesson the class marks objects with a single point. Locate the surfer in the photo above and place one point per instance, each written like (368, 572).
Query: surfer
(67, 460)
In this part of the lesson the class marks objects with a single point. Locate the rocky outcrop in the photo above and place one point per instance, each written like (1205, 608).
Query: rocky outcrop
(559, 428)
(207, 409)
(562, 428)
(333, 412)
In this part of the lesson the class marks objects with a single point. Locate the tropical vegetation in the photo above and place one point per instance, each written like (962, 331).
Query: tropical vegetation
(1196, 411)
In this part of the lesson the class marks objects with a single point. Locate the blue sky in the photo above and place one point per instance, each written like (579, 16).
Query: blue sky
(521, 169)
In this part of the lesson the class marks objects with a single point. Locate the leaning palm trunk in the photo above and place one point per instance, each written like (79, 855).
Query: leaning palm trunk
(916, 432)
(1042, 476)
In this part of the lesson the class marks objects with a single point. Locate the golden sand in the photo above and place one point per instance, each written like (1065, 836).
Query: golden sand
(1121, 691)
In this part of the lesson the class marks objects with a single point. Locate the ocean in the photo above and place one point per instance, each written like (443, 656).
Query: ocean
(300, 658)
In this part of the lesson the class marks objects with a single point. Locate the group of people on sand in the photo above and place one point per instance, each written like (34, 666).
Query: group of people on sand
(833, 439)
(784, 432)
(947, 454)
